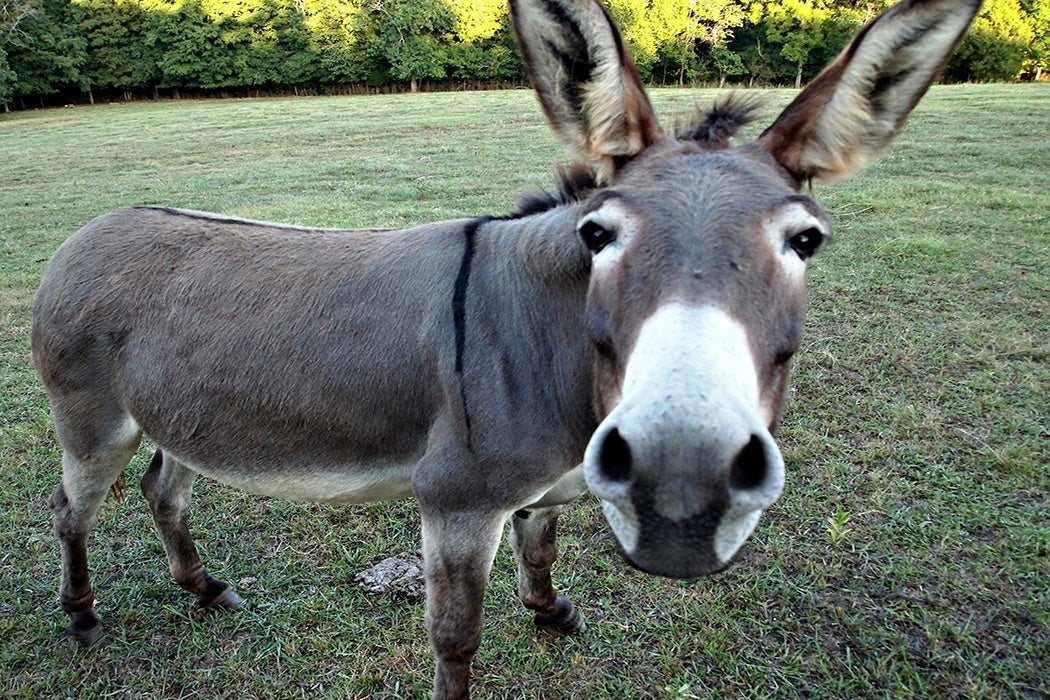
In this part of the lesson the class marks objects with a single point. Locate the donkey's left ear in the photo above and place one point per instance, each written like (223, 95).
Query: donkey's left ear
(588, 86)
(855, 107)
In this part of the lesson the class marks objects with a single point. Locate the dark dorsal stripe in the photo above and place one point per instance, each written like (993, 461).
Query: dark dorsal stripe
(216, 218)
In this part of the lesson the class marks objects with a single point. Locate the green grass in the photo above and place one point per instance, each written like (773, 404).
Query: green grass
(908, 557)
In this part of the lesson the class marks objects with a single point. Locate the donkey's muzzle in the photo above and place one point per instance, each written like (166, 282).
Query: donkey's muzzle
(686, 512)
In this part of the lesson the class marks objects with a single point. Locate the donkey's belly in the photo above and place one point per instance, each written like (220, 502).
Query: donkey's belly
(345, 483)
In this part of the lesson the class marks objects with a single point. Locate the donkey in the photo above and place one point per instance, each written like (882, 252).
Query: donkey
(631, 335)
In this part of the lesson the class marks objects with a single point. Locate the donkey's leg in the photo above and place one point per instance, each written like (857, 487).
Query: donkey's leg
(532, 537)
(92, 460)
(168, 486)
(458, 550)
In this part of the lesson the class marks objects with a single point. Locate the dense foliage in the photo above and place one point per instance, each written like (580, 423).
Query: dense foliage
(67, 49)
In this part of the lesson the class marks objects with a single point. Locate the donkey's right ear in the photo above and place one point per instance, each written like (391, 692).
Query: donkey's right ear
(588, 86)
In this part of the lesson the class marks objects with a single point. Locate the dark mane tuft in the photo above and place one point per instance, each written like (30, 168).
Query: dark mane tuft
(715, 126)
(574, 183)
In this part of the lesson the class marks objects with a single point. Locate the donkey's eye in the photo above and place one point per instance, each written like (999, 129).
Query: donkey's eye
(594, 235)
(807, 243)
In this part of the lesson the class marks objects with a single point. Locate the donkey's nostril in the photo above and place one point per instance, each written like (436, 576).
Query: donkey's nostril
(750, 466)
(614, 460)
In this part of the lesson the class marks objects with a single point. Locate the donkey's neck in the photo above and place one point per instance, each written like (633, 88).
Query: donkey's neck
(544, 246)
(521, 335)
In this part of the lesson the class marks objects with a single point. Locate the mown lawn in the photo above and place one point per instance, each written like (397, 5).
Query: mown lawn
(908, 557)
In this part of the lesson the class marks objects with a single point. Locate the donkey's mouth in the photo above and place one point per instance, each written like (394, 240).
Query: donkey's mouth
(678, 568)
(702, 545)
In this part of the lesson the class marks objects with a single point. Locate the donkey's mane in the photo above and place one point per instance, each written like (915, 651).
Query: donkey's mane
(575, 182)
(711, 127)
(714, 126)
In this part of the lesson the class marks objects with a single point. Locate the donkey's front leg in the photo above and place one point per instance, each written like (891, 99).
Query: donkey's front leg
(532, 537)
(458, 549)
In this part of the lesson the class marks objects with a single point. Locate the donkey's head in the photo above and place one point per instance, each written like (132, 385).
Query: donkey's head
(700, 250)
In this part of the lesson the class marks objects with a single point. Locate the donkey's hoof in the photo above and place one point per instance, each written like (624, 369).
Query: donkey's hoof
(563, 620)
(226, 599)
(85, 628)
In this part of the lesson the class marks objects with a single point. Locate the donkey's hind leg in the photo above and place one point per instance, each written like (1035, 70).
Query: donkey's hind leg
(91, 463)
(168, 486)
(532, 537)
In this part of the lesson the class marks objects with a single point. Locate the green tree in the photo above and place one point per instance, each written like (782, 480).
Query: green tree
(416, 58)
(117, 54)
(690, 38)
(1038, 12)
(800, 28)
(53, 46)
(478, 48)
(268, 41)
(300, 63)
(191, 48)
(8, 79)
(477, 20)
(676, 31)
(409, 38)
(997, 46)
(331, 26)
(13, 13)
(759, 58)
(727, 63)
(50, 53)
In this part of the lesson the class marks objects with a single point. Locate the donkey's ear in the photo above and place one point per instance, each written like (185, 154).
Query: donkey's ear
(588, 86)
(845, 117)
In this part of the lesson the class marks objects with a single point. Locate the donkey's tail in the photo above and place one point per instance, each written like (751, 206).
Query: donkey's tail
(119, 489)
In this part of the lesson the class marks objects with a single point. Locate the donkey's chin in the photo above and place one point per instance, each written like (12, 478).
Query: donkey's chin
(677, 550)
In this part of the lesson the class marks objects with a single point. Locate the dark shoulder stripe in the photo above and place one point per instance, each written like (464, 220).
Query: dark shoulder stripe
(459, 293)
(459, 307)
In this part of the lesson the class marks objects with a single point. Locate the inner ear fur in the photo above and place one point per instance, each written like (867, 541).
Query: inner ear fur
(845, 117)
(588, 85)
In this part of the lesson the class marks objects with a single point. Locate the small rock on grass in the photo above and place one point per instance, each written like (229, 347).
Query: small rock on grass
(401, 574)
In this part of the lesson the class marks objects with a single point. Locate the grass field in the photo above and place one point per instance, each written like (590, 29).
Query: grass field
(908, 557)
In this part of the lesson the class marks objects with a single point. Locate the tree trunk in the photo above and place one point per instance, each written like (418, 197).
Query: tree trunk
(798, 77)
(413, 86)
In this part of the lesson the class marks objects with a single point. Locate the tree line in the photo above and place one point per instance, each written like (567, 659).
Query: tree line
(54, 51)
